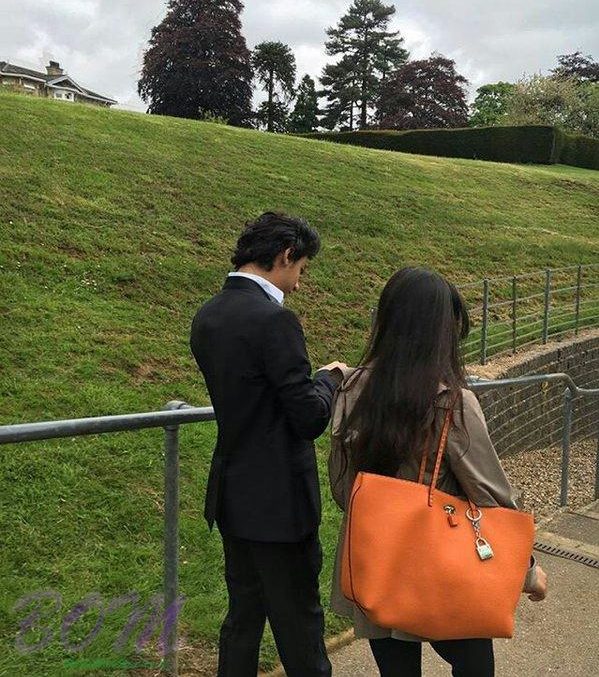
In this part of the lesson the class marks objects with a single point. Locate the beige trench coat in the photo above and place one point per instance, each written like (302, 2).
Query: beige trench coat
(470, 469)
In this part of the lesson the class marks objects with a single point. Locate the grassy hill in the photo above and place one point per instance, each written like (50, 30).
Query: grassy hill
(114, 227)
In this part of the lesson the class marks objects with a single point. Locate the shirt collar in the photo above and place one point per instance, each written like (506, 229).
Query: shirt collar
(268, 287)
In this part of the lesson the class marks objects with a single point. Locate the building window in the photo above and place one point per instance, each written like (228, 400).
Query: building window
(65, 96)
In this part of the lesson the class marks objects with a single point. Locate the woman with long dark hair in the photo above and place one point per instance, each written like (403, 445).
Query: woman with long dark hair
(385, 413)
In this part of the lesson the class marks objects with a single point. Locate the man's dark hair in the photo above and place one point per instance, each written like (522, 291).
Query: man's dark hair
(269, 235)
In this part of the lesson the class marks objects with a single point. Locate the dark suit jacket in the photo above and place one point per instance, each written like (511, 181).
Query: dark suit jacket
(263, 482)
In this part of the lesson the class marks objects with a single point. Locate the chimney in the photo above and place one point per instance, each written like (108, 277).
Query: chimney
(53, 68)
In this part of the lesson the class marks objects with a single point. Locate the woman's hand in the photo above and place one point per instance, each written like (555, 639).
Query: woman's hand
(538, 591)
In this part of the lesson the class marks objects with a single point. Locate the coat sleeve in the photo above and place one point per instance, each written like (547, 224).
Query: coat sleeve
(306, 402)
(337, 468)
(476, 465)
(474, 461)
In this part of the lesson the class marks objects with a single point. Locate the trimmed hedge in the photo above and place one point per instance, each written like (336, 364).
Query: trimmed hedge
(579, 151)
(525, 144)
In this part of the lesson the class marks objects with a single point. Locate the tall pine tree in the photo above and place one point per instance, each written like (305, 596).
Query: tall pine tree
(273, 116)
(341, 92)
(198, 63)
(274, 66)
(304, 118)
(369, 50)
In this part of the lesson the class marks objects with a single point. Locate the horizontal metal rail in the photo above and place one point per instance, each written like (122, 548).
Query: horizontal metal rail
(480, 384)
(565, 300)
(44, 430)
(522, 276)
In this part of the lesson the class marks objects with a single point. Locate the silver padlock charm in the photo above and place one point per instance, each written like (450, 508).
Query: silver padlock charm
(484, 550)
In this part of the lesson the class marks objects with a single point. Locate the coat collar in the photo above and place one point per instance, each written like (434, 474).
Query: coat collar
(246, 284)
(274, 292)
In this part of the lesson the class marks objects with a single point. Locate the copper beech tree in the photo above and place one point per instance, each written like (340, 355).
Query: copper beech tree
(197, 64)
(577, 67)
(424, 94)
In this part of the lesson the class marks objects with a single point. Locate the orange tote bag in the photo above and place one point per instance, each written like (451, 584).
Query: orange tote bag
(428, 563)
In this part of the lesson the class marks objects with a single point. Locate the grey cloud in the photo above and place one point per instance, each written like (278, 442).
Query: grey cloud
(302, 22)
(505, 40)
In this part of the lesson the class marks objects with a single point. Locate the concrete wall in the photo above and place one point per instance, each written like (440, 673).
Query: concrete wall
(532, 417)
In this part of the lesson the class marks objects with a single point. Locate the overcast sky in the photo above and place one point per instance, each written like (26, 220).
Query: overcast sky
(101, 42)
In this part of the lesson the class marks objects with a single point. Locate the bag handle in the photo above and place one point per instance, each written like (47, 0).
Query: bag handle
(440, 448)
(439, 456)
(440, 452)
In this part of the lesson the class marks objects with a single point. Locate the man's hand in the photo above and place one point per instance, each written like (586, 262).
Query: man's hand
(336, 365)
(338, 370)
(538, 591)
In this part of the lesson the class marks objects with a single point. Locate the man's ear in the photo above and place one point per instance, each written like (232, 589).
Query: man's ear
(286, 259)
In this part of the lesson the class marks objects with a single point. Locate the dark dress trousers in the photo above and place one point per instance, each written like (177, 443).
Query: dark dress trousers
(263, 488)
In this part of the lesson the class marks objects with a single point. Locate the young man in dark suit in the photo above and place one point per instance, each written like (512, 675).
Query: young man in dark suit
(263, 488)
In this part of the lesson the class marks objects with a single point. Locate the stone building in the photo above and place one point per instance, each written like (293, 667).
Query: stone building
(53, 84)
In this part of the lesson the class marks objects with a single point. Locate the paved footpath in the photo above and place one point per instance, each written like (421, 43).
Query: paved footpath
(559, 636)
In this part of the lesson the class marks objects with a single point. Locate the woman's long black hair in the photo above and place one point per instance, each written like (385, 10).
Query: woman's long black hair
(415, 345)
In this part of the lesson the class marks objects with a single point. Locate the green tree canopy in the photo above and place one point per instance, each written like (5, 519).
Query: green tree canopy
(565, 103)
(490, 104)
(274, 66)
(589, 97)
(274, 116)
(198, 64)
(304, 118)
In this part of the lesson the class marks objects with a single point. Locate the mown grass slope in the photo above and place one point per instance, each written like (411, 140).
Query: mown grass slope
(114, 228)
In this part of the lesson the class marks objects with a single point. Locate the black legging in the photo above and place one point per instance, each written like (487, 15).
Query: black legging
(467, 657)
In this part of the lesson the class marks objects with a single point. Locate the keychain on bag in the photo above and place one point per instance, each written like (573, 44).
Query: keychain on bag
(483, 547)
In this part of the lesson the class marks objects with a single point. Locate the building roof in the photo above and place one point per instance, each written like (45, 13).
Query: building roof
(12, 69)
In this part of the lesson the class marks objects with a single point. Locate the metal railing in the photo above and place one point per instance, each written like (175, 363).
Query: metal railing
(571, 395)
(179, 413)
(511, 312)
(176, 413)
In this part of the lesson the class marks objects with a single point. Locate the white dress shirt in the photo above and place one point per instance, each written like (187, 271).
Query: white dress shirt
(268, 287)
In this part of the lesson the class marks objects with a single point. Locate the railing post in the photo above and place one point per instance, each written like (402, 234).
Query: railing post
(514, 321)
(547, 302)
(171, 539)
(485, 327)
(566, 446)
(578, 286)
